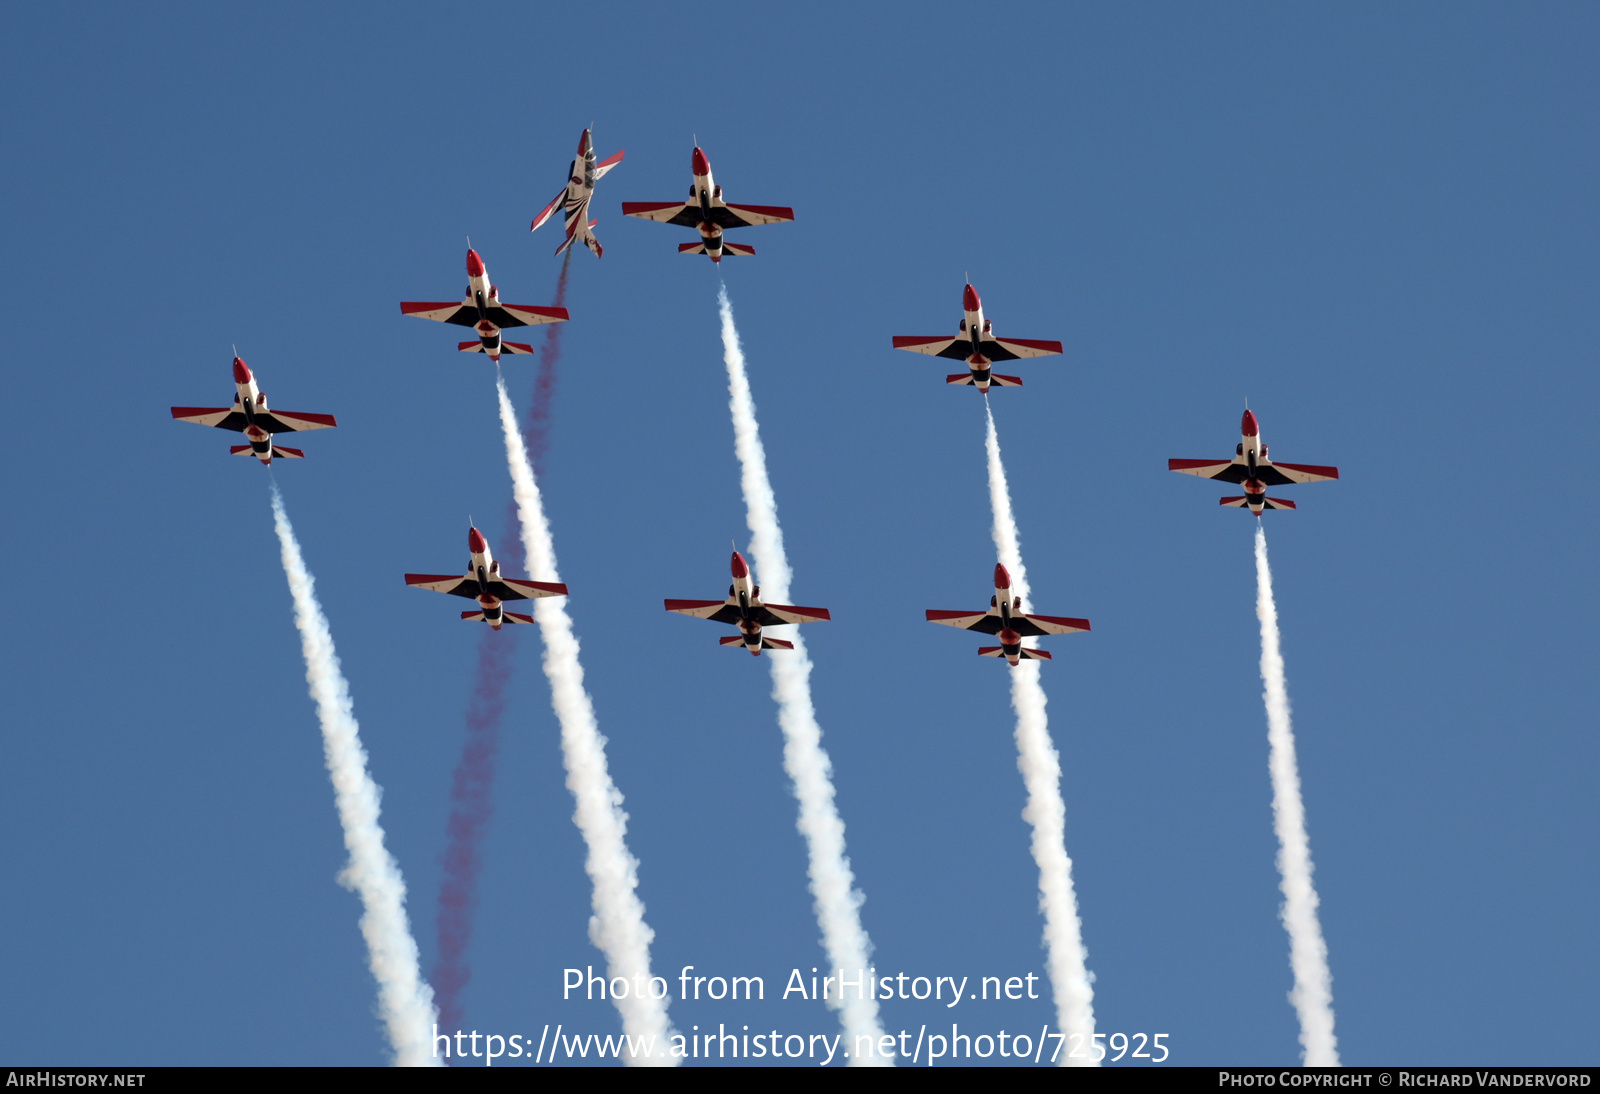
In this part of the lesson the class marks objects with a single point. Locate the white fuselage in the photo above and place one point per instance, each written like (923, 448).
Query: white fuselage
(252, 401)
(746, 594)
(483, 295)
(485, 569)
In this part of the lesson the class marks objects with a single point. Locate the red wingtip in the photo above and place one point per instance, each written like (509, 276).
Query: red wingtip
(241, 371)
(969, 299)
(474, 264)
(1002, 579)
(700, 164)
(739, 567)
(1248, 426)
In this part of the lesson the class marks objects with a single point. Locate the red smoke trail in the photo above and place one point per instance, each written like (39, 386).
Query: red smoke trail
(471, 801)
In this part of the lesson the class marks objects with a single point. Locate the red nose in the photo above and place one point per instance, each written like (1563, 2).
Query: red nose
(1002, 580)
(475, 541)
(474, 264)
(583, 143)
(739, 568)
(241, 371)
(701, 166)
(1249, 427)
(969, 299)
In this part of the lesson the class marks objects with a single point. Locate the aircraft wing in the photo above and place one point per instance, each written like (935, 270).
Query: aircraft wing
(1010, 349)
(524, 315)
(454, 584)
(986, 622)
(669, 212)
(957, 349)
(223, 417)
(1296, 472)
(544, 214)
(1221, 470)
(776, 615)
(509, 588)
(461, 313)
(274, 421)
(749, 216)
(1047, 624)
(607, 164)
(718, 611)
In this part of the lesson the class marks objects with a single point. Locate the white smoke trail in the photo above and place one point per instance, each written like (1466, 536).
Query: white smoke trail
(838, 904)
(404, 998)
(617, 927)
(1037, 759)
(1312, 995)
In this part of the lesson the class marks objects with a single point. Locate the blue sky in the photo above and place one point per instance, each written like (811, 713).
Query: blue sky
(1377, 224)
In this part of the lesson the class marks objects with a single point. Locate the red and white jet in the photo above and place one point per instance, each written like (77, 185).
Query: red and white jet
(706, 211)
(484, 584)
(581, 178)
(1005, 618)
(482, 309)
(978, 347)
(744, 609)
(249, 415)
(1251, 466)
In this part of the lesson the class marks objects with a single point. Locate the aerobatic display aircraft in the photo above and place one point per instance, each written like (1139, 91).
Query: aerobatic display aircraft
(1251, 467)
(484, 583)
(482, 309)
(581, 178)
(978, 347)
(1005, 618)
(249, 415)
(744, 609)
(708, 213)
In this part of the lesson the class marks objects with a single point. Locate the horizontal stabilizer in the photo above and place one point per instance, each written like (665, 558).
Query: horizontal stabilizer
(1027, 654)
(505, 347)
(737, 249)
(766, 643)
(691, 248)
(1267, 503)
(509, 617)
(959, 378)
(1005, 381)
(240, 449)
(280, 453)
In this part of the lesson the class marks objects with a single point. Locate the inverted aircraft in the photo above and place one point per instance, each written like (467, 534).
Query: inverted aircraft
(482, 310)
(1006, 619)
(575, 197)
(249, 415)
(706, 212)
(1251, 467)
(744, 609)
(483, 582)
(978, 347)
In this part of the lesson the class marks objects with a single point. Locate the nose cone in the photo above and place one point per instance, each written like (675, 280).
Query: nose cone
(475, 541)
(474, 264)
(969, 299)
(241, 371)
(700, 164)
(583, 144)
(1248, 426)
(1002, 579)
(739, 567)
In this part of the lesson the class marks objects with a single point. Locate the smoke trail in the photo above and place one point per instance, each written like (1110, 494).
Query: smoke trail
(617, 926)
(537, 432)
(404, 1000)
(471, 788)
(1037, 759)
(832, 883)
(1312, 995)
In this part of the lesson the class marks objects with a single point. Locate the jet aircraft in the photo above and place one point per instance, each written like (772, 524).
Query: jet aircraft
(1251, 467)
(708, 213)
(744, 609)
(978, 347)
(581, 178)
(484, 584)
(1006, 619)
(482, 310)
(249, 415)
